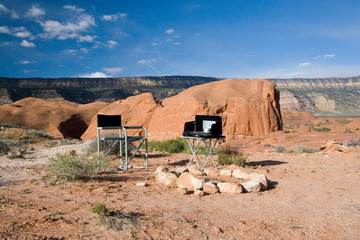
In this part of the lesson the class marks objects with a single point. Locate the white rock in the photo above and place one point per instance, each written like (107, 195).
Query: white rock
(209, 187)
(142, 184)
(261, 178)
(212, 172)
(227, 187)
(170, 180)
(251, 186)
(240, 173)
(162, 169)
(225, 173)
(160, 177)
(180, 170)
(199, 192)
(195, 171)
(189, 181)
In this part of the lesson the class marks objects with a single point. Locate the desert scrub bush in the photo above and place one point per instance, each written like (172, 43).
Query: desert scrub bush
(228, 157)
(73, 167)
(280, 148)
(115, 219)
(176, 145)
(267, 145)
(69, 141)
(4, 148)
(323, 129)
(303, 149)
(98, 208)
(352, 142)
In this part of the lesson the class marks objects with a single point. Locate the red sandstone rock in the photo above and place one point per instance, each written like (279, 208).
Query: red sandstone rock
(247, 106)
(59, 118)
(135, 111)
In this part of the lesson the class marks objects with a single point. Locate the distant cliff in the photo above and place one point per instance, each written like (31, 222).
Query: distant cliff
(318, 96)
(321, 96)
(86, 90)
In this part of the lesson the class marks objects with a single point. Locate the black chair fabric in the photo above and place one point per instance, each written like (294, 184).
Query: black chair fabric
(108, 120)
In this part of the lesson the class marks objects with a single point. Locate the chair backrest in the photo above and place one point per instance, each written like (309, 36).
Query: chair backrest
(108, 120)
(212, 123)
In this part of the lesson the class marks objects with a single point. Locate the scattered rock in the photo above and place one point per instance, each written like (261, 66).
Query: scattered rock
(261, 178)
(212, 172)
(199, 192)
(209, 187)
(227, 187)
(181, 170)
(251, 186)
(225, 173)
(189, 181)
(170, 180)
(195, 171)
(142, 184)
(162, 169)
(183, 191)
(160, 177)
(240, 173)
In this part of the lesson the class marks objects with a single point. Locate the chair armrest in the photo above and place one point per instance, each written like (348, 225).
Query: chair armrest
(133, 127)
(119, 127)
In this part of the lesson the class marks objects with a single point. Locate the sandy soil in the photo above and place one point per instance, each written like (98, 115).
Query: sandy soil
(311, 196)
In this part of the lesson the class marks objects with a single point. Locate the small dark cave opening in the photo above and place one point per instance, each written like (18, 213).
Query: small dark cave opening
(73, 127)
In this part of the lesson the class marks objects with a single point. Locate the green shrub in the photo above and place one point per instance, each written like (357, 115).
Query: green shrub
(228, 157)
(73, 167)
(98, 208)
(4, 148)
(177, 145)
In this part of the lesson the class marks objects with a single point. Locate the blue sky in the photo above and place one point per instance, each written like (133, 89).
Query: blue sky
(228, 38)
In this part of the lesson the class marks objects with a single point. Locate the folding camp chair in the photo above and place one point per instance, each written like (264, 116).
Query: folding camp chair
(111, 123)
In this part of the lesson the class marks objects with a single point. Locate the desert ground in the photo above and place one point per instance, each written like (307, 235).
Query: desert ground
(310, 196)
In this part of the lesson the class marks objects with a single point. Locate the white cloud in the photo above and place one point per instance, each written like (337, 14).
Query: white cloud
(17, 32)
(35, 12)
(113, 70)
(177, 43)
(5, 29)
(3, 8)
(68, 30)
(12, 12)
(147, 62)
(86, 38)
(114, 17)
(70, 52)
(73, 8)
(170, 31)
(304, 65)
(25, 43)
(156, 44)
(329, 56)
(112, 44)
(325, 56)
(95, 75)
(21, 32)
(24, 62)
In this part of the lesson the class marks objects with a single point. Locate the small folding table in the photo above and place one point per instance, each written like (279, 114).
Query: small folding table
(210, 144)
